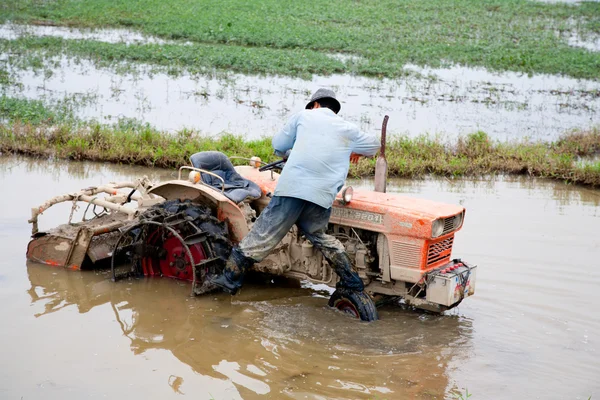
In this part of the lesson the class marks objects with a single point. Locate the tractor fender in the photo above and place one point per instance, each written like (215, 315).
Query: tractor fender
(225, 209)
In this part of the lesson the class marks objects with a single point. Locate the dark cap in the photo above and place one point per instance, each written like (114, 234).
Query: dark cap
(325, 94)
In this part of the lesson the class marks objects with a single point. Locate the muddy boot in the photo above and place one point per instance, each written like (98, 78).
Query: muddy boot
(210, 266)
(232, 278)
(348, 278)
(206, 287)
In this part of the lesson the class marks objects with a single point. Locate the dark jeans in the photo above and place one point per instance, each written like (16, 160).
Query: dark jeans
(275, 222)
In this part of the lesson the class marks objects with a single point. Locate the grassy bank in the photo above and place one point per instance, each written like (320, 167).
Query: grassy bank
(473, 155)
(34, 128)
(295, 38)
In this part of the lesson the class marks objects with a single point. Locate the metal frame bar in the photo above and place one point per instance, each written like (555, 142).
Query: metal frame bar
(88, 196)
(205, 172)
(247, 159)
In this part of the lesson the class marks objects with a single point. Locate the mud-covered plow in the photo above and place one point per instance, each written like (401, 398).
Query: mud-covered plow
(133, 232)
(108, 208)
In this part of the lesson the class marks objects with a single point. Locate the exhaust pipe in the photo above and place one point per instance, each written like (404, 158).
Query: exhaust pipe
(381, 167)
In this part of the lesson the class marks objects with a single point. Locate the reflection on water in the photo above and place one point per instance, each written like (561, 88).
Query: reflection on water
(590, 42)
(561, 194)
(449, 102)
(11, 31)
(96, 172)
(289, 342)
(529, 332)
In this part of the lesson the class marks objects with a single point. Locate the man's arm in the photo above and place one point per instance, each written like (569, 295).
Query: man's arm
(366, 145)
(284, 140)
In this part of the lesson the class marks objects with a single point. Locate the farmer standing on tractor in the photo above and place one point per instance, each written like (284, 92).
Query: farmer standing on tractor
(321, 145)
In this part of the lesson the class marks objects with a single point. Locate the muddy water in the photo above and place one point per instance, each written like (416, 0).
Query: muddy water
(531, 331)
(447, 102)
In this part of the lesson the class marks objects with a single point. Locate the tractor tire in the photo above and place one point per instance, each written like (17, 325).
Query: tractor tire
(176, 239)
(217, 243)
(356, 304)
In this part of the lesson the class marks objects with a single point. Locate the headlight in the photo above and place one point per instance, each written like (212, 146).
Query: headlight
(255, 162)
(437, 227)
(194, 176)
(347, 194)
(458, 219)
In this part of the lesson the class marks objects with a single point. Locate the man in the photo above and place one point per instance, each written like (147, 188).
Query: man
(322, 144)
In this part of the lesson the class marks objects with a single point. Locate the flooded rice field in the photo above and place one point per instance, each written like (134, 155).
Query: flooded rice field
(448, 102)
(531, 330)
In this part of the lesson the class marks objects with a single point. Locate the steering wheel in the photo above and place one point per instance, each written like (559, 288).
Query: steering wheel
(274, 165)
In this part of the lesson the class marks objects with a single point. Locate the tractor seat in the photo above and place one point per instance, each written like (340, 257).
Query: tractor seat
(237, 188)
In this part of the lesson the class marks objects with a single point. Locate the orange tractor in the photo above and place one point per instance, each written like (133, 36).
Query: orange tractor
(184, 228)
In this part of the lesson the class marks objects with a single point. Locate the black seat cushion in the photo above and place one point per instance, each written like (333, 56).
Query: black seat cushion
(237, 188)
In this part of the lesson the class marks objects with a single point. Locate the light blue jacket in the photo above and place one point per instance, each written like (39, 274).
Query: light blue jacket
(321, 143)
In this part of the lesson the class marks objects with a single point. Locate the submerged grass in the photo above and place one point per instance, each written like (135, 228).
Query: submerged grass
(196, 58)
(295, 38)
(33, 111)
(32, 129)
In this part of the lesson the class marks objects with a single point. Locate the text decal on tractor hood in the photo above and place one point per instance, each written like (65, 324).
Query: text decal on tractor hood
(365, 216)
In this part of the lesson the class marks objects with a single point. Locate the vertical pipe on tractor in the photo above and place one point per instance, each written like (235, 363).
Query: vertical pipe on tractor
(381, 166)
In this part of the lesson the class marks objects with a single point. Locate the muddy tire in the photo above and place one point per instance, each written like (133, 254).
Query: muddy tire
(168, 237)
(356, 304)
(217, 242)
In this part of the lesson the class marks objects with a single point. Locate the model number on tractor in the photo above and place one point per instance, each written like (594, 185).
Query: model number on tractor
(358, 215)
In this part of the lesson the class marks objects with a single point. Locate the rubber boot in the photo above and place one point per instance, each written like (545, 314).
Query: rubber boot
(207, 286)
(232, 278)
(342, 266)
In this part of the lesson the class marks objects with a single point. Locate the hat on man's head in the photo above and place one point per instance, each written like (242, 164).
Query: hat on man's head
(325, 94)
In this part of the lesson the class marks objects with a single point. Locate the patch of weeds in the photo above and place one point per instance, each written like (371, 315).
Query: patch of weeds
(475, 144)
(37, 112)
(27, 111)
(5, 78)
(128, 124)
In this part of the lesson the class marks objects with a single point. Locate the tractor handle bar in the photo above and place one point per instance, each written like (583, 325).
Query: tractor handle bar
(274, 164)
(248, 159)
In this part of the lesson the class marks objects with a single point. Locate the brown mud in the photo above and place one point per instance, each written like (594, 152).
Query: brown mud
(529, 332)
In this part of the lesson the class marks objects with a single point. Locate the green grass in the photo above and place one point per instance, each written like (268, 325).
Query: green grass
(34, 129)
(293, 38)
(197, 58)
(32, 111)
(122, 144)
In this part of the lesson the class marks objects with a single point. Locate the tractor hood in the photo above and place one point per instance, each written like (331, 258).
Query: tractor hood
(394, 214)
(418, 208)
